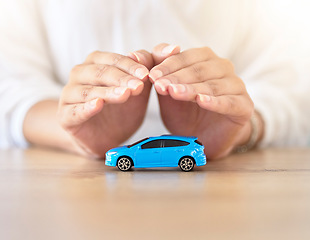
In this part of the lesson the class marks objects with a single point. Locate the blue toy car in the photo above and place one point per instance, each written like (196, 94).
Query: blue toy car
(161, 151)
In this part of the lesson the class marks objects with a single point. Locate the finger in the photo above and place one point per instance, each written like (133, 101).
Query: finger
(76, 114)
(188, 92)
(83, 93)
(181, 60)
(197, 73)
(164, 50)
(235, 106)
(103, 75)
(122, 62)
(143, 57)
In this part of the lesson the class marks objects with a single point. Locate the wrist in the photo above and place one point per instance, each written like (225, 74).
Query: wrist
(41, 128)
(252, 133)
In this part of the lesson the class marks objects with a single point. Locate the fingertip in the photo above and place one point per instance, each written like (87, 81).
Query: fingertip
(161, 88)
(155, 74)
(204, 100)
(122, 94)
(94, 105)
(171, 50)
(165, 49)
(181, 92)
(99, 104)
(143, 57)
(141, 73)
(151, 78)
(176, 91)
(136, 86)
(133, 56)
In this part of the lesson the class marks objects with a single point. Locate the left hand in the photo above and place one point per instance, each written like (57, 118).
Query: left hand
(200, 95)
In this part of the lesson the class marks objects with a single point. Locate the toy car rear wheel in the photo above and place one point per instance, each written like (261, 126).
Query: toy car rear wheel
(124, 163)
(186, 164)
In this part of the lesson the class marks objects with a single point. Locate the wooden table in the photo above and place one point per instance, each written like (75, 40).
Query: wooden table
(46, 194)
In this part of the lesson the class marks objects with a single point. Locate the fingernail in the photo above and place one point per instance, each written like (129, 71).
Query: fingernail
(178, 88)
(155, 74)
(163, 84)
(119, 90)
(141, 73)
(169, 49)
(204, 98)
(134, 84)
(92, 104)
(134, 56)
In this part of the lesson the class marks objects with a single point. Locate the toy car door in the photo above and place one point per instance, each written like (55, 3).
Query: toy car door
(149, 154)
(172, 151)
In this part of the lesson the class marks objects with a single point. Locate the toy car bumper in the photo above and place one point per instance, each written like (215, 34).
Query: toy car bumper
(109, 161)
(201, 160)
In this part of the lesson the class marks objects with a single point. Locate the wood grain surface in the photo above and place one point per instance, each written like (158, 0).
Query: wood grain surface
(264, 194)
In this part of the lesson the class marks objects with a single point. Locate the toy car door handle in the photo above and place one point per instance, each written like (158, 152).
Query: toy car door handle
(156, 151)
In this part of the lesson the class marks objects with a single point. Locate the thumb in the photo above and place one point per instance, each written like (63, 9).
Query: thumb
(163, 51)
(143, 57)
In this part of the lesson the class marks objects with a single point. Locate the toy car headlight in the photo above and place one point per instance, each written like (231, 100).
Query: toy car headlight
(111, 153)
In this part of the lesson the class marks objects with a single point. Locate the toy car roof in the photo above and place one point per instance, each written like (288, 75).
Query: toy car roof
(170, 136)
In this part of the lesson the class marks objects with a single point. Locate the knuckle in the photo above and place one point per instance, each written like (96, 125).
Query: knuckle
(251, 103)
(215, 89)
(76, 70)
(65, 91)
(60, 116)
(66, 116)
(180, 58)
(122, 81)
(242, 85)
(249, 109)
(100, 69)
(207, 51)
(230, 104)
(117, 59)
(173, 79)
(133, 68)
(73, 111)
(93, 54)
(197, 71)
(85, 93)
(229, 66)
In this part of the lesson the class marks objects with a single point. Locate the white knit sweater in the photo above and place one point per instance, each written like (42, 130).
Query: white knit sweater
(40, 41)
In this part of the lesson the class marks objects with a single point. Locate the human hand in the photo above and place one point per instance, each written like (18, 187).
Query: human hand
(105, 100)
(200, 95)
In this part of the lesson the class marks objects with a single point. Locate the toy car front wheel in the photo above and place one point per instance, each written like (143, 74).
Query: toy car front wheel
(186, 164)
(124, 164)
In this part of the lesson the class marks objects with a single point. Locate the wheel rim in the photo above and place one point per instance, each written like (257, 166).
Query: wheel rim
(124, 164)
(186, 164)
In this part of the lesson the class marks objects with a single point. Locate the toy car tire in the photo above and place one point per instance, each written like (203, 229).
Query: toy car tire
(186, 164)
(124, 163)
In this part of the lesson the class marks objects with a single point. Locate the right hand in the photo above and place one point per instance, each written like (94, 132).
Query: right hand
(105, 100)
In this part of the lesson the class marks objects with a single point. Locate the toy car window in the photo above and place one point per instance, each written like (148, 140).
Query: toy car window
(174, 143)
(129, 146)
(152, 144)
(196, 141)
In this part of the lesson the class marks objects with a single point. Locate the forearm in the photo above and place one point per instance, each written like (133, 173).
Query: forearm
(41, 127)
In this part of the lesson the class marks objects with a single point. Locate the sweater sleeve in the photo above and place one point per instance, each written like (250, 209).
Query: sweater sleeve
(26, 75)
(273, 65)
